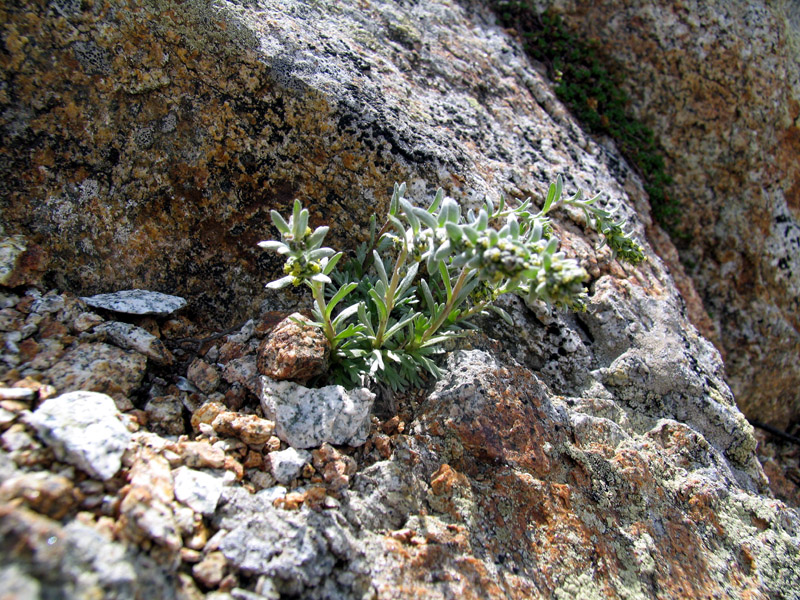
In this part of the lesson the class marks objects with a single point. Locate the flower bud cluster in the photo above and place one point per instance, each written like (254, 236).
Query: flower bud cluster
(300, 268)
(621, 243)
(484, 293)
(559, 281)
(507, 259)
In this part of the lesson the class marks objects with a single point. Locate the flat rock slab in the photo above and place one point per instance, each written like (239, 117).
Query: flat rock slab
(83, 428)
(198, 490)
(137, 302)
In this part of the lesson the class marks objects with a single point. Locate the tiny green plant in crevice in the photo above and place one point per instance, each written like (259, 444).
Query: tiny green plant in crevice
(595, 96)
(388, 310)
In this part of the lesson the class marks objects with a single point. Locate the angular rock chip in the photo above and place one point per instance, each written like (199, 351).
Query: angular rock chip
(307, 418)
(203, 375)
(198, 490)
(251, 429)
(137, 302)
(131, 337)
(287, 464)
(84, 429)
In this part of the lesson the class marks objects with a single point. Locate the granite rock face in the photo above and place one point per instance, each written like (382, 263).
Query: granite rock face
(573, 455)
(719, 84)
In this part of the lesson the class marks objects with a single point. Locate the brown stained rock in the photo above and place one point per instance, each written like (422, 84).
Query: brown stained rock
(528, 504)
(200, 455)
(383, 444)
(207, 413)
(146, 510)
(99, 367)
(293, 350)
(731, 70)
(203, 375)
(251, 429)
(253, 460)
(85, 321)
(21, 262)
(52, 495)
(28, 348)
(231, 351)
(210, 570)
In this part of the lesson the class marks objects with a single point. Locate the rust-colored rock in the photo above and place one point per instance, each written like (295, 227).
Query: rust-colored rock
(719, 84)
(54, 496)
(251, 429)
(294, 349)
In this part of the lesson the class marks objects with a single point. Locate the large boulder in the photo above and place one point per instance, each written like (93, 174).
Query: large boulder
(719, 84)
(595, 454)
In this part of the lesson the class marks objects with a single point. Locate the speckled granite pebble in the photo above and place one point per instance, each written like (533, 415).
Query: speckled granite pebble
(307, 418)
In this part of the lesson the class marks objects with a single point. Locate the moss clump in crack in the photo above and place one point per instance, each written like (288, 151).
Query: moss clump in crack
(595, 96)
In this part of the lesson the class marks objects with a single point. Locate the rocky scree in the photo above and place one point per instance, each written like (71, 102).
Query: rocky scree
(572, 456)
(479, 479)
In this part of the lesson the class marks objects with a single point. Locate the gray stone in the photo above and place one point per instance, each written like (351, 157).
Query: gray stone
(165, 415)
(307, 418)
(18, 584)
(384, 495)
(287, 464)
(243, 371)
(51, 302)
(131, 337)
(198, 490)
(84, 429)
(298, 549)
(137, 302)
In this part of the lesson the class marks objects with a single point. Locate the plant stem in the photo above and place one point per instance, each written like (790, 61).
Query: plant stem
(318, 291)
(448, 308)
(389, 298)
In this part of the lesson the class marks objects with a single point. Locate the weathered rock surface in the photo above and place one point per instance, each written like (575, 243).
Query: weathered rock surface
(307, 418)
(99, 367)
(137, 302)
(719, 83)
(294, 349)
(84, 429)
(131, 337)
(569, 456)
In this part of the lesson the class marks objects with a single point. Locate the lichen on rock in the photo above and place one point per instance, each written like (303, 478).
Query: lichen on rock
(597, 454)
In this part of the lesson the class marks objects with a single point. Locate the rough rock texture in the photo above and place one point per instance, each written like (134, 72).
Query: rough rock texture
(131, 337)
(719, 83)
(306, 418)
(569, 456)
(83, 428)
(294, 351)
(42, 559)
(137, 302)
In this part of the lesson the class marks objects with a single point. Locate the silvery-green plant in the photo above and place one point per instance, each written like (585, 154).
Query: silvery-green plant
(427, 271)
